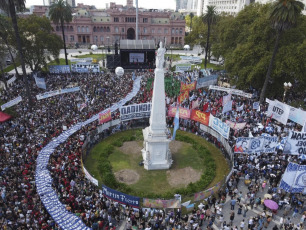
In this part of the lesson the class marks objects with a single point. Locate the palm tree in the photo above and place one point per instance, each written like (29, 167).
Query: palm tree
(60, 12)
(283, 16)
(210, 18)
(10, 7)
(191, 15)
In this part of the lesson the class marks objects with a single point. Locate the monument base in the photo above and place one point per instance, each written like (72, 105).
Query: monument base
(156, 153)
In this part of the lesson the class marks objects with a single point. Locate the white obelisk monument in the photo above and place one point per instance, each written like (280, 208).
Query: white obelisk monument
(156, 153)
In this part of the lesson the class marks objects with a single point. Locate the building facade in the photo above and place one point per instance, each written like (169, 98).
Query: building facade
(105, 27)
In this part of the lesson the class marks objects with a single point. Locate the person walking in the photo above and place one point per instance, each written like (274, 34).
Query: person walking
(233, 202)
(242, 225)
(232, 217)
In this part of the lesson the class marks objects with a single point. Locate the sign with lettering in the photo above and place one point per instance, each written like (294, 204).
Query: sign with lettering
(59, 68)
(296, 143)
(265, 144)
(136, 111)
(221, 127)
(105, 116)
(183, 112)
(278, 111)
(294, 178)
(199, 116)
(11, 103)
(207, 81)
(120, 197)
(183, 96)
(188, 87)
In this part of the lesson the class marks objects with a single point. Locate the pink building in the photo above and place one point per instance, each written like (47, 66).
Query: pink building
(105, 27)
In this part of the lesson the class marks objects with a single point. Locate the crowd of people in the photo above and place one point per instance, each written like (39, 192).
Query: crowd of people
(22, 137)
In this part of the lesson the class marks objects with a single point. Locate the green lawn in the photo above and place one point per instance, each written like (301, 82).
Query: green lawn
(98, 56)
(10, 67)
(174, 57)
(62, 61)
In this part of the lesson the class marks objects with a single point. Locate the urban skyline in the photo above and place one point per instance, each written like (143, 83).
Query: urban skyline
(157, 4)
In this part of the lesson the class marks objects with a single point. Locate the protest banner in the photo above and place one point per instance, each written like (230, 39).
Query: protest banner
(207, 81)
(219, 126)
(182, 67)
(105, 116)
(59, 68)
(190, 58)
(230, 90)
(11, 80)
(297, 115)
(183, 96)
(294, 178)
(296, 143)
(57, 92)
(11, 103)
(79, 67)
(188, 87)
(278, 111)
(121, 197)
(199, 116)
(136, 111)
(240, 108)
(270, 144)
(266, 144)
(256, 105)
(226, 99)
(183, 112)
(40, 82)
(90, 177)
(235, 125)
(227, 107)
(158, 203)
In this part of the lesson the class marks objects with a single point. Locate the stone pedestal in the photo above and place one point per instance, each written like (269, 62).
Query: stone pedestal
(156, 153)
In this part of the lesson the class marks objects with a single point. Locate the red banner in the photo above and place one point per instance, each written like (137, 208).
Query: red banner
(183, 96)
(184, 113)
(199, 116)
(188, 87)
(104, 117)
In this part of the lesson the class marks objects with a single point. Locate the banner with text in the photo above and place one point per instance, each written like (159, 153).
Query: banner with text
(182, 67)
(59, 68)
(90, 67)
(278, 111)
(207, 81)
(121, 197)
(266, 144)
(183, 112)
(136, 111)
(200, 116)
(105, 116)
(230, 90)
(11, 103)
(296, 143)
(227, 107)
(294, 178)
(221, 127)
(235, 125)
(90, 177)
(183, 96)
(297, 115)
(188, 87)
(158, 203)
(57, 92)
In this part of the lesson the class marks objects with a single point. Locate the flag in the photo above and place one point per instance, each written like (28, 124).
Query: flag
(227, 107)
(40, 82)
(205, 107)
(195, 104)
(176, 122)
(240, 108)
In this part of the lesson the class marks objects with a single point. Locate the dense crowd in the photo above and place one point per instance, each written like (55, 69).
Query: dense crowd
(23, 137)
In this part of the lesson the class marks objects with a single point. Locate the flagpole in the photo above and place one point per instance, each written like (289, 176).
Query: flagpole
(136, 20)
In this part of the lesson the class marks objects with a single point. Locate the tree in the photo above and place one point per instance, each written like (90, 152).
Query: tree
(191, 15)
(210, 18)
(10, 7)
(60, 12)
(39, 41)
(284, 15)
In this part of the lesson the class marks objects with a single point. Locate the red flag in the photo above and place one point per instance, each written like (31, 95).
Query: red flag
(205, 107)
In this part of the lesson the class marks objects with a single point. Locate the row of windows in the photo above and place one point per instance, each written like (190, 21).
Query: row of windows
(66, 28)
(130, 19)
(101, 29)
(177, 31)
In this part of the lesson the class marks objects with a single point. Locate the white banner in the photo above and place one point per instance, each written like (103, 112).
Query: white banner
(226, 99)
(11, 80)
(221, 127)
(278, 111)
(227, 107)
(232, 91)
(240, 108)
(297, 115)
(90, 177)
(294, 178)
(183, 67)
(11, 103)
(56, 92)
(296, 143)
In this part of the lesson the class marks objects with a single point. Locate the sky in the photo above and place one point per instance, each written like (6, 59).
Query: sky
(100, 4)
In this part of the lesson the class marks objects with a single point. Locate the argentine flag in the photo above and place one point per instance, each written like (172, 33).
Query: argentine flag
(176, 122)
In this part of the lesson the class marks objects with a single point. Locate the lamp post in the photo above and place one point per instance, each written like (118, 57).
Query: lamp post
(287, 86)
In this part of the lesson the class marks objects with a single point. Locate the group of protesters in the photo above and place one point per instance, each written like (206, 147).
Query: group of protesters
(22, 137)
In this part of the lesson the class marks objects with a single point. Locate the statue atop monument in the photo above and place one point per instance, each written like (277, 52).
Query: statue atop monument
(160, 56)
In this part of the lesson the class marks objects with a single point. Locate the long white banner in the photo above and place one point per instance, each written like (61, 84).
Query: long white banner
(90, 177)
(294, 178)
(219, 126)
(56, 92)
(296, 143)
(278, 111)
(261, 144)
(11, 103)
(230, 90)
(136, 111)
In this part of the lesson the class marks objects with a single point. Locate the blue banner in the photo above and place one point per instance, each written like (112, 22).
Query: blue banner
(207, 81)
(11, 103)
(59, 69)
(221, 127)
(57, 92)
(137, 111)
(120, 197)
(40, 82)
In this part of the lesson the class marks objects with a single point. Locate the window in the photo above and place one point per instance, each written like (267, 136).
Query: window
(79, 29)
(87, 29)
(145, 20)
(181, 31)
(165, 31)
(116, 30)
(130, 19)
(153, 31)
(176, 31)
(122, 30)
(71, 38)
(101, 38)
(173, 31)
(83, 29)
(94, 29)
(116, 19)
(96, 39)
(107, 29)
(159, 31)
(144, 30)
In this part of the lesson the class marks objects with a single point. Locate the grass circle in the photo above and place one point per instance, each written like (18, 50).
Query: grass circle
(197, 165)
